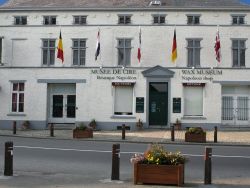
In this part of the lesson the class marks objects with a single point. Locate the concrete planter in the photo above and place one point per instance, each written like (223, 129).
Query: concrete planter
(159, 174)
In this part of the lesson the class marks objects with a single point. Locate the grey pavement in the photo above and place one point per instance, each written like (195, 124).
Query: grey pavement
(233, 137)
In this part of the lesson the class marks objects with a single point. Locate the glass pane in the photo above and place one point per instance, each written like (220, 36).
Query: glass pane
(14, 97)
(57, 106)
(235, 43)
(83, 19)
(21, 97)
(242, 44)
(82, 43)
(76, 19)
(21, 107)
(190, 57)
(71, 106)
(193, 101)
(190, 43)
(24, 20)
(197, 57)
(242, 58)
(14, 107)
(21, 86)
(123, 100)
(120, 57)
(52, 43)
(75, 57)
(15, 86)
(235, 58)
(75, 43)
(53, 20)
(155, 19)
(127, 58)
(45, 43)
(190, 19)
(45, 57)
(82, 61)
(127, 19)
(197, 43)
(162, 19)
(121, 43)
(197, 20)
(121, 19)
(127, 43)
(17, 20)
(52, 57)
(241, 20)
(46, 20)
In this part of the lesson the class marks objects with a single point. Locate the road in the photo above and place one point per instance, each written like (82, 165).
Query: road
(75, 163)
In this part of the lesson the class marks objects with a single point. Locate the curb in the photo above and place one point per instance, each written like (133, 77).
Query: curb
(131, 141)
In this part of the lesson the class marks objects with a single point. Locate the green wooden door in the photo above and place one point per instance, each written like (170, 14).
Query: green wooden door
(158, 103)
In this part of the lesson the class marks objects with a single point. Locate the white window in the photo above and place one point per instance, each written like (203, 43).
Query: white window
(124, 19)
(17, 97)
(49, 20)
(1, 43)
(123, 103)
(193, 101)
(20, 20)
(238, 20)
(80, 20)
(48, 51)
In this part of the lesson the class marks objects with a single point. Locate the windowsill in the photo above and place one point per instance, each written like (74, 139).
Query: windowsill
(16, 114)
(194, 117)
(123, 117)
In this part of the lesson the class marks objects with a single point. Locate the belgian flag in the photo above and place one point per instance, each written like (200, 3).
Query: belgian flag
(60, 48)
(174, 48)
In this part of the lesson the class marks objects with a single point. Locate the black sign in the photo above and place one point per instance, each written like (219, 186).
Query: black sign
(139, 105)
(176, 105)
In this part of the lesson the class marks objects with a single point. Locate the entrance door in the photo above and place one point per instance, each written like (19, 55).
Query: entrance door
(158, 103)
(63, 108)
(235, 110)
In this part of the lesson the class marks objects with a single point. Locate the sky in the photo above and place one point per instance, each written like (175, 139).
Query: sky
(245, 1)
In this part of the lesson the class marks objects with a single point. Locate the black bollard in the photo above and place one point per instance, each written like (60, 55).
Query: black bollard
(52, 130)
(14, 127)
(123, 131)
(115, 174)
(8, 160)
(172, 133)
(215, 134)
(208, 166)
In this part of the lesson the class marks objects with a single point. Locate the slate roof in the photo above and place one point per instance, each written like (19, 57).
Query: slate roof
(36, 4)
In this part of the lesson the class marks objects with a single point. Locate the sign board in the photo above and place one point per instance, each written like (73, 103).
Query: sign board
(176, 105)
(139, 105)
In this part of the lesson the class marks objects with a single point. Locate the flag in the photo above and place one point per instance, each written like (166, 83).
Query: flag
(217, 47)
(97, 51)
(174, 48)
(139, 48)
(60, 48)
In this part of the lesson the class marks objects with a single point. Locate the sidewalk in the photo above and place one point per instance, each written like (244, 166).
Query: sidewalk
(147, 135)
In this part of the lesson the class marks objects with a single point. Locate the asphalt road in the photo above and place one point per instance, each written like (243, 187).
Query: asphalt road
(74, 163)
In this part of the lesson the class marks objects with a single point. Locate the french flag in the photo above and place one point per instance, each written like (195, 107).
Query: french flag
(98, 46)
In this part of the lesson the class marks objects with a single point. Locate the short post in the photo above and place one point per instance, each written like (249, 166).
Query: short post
(123, 131)
(172, 133)
(8, 160)
(215, 134)
(14, 127)
(115, 174)
(208, 166)
(51, 128)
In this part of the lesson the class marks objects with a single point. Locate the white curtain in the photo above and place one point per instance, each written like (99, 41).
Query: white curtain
(193, 101)
(123, 100)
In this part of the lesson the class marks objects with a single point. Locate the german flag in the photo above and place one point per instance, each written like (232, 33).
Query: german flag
(174, 48)
(60, 48)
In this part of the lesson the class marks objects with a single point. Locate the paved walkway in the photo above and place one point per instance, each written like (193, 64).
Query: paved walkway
(147, 135)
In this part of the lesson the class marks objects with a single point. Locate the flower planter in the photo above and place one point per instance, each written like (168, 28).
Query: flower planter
(88, 133)
(159, 174)
(191, 137)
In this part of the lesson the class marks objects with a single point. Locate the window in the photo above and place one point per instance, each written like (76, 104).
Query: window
(49, 20)
(20, 20)
(124, 52)
(193, 19)
(1, 43)
(48, 51)
(193, 48)
(80, 20)
(123, 100)
(239, 48)
(193, 101)
(124, 19)
(17, 97)
(79, 51)
(238, 20)
(159, 19)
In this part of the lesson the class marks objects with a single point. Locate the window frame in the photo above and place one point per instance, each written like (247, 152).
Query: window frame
(194, 49)
(48, 48)
(239, 49)
(22, 20)
(124, 16)
(127, 63)
(159, 16)
(49, 20)
(184, 97)
(79, 48)
(194, 17)
(18, 93)
(1, 50)
(238, 18)
(81, 18)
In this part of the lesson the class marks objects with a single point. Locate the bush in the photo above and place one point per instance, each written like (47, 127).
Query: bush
(196, 130)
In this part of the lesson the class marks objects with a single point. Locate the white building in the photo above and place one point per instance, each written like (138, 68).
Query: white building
(37, 87)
